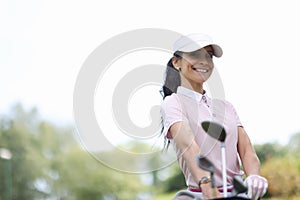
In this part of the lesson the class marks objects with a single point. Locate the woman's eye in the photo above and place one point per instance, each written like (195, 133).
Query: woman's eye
(194, 55)
(198, 55)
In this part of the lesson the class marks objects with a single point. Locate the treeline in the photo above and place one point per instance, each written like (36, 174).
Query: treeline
(49, 163)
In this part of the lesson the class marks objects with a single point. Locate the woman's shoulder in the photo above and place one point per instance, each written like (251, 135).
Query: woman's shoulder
(170, 100)
(172, 97)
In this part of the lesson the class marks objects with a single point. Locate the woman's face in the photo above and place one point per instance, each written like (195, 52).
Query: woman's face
(197, 66)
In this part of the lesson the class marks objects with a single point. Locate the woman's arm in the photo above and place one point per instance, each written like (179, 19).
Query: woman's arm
(250, 161)
(185, 143)
(257, 185)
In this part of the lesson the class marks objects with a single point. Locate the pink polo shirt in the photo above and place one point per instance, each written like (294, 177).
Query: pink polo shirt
(194, 108)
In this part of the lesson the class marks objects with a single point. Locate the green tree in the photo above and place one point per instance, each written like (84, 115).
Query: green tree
(283, 176)
(152, 160)
(48, 163)
(269, 150)
(176, 180)
(83, 177)
(294, 143)
(16, 134)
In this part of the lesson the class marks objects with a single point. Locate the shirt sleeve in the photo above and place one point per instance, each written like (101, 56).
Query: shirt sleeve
(235, 116)
(172, 112)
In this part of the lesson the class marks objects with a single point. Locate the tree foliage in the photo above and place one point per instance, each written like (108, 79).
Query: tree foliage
(176, 180)
(48, 163)
(17, 135)
(294, 143)
(270, 150)
(283, 175)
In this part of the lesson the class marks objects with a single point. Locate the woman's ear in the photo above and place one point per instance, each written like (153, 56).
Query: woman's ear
(176, 63)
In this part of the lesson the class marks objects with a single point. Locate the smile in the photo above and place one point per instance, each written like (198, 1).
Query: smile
(200, 70)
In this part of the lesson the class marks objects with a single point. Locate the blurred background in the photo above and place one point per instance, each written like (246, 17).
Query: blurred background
(43, 45)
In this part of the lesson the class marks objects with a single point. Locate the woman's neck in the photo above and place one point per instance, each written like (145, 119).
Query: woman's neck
(197, 87)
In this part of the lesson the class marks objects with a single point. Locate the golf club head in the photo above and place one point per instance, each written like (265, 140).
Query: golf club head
(215, 130)
(238, 185)
(205, 164)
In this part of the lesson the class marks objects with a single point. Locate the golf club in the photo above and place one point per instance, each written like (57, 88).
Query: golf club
(218, 132)
(238, 185)
(206, 165)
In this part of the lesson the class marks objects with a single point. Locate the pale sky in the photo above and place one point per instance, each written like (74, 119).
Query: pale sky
(43, 45)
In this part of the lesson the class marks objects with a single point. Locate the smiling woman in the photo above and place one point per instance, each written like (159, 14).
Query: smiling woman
(186, 105)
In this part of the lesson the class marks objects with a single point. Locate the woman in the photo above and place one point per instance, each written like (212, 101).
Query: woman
(186, 104)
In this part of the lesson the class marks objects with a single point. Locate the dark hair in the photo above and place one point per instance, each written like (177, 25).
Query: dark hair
(171, 82)
(172, 77)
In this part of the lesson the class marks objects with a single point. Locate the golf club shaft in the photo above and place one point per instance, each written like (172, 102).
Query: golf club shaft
(213, 184)
(224, 174)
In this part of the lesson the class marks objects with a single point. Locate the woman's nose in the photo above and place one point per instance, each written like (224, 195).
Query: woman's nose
(202, 62)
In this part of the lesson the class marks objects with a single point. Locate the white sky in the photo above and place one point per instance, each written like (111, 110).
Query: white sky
(43, 45)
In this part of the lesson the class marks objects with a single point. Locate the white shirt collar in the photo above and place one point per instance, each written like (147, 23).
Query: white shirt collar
(192, 94)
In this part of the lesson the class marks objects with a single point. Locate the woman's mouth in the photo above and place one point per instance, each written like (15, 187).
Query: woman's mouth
(202, 70)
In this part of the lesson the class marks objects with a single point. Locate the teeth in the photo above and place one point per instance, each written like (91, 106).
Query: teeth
(201, 70)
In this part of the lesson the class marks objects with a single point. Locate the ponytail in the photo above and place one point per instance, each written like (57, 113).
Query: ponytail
(172, 77)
